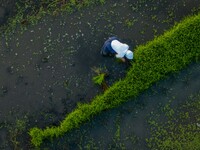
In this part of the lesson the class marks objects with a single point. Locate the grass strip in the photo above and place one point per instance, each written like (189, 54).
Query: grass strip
(166, 54)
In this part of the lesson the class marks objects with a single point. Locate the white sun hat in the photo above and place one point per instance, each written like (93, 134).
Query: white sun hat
(129, 54)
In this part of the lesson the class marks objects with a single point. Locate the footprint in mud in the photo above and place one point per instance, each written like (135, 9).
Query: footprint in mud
(81, 97)
(45, 60)
(20, 79)
(3, 91)
(68, 104)
(10, 70)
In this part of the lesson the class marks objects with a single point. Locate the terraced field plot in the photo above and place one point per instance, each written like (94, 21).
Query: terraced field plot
(46, 69)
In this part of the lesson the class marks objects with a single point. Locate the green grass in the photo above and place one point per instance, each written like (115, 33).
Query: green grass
(166, 54)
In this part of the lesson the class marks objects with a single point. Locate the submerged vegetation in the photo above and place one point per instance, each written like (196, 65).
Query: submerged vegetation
(30, 12)
(99, 79)
(180, 130)
(154, 61)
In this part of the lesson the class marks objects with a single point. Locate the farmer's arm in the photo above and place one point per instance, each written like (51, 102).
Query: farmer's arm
(120, 57)
(123, 59)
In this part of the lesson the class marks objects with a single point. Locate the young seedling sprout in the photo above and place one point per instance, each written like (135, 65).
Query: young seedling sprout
(99, 79)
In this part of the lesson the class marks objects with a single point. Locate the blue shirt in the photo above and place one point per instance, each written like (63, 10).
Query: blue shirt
(107, 45)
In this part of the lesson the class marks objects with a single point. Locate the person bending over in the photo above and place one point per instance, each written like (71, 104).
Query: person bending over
(113, 47)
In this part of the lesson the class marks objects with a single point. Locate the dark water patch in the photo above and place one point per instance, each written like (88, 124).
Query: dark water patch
(4, 144)
(2, 15)
(10, 70)
(7, 9)
(20, 79)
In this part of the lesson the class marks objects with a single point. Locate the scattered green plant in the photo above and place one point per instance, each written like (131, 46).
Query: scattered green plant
(15, 131)
(180, 130)
(129, 23)
(102, 2)
(99, 79)
(91, 145)
(39, 9)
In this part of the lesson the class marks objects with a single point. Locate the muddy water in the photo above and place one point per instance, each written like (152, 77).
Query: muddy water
(46, 69)
(7, 9)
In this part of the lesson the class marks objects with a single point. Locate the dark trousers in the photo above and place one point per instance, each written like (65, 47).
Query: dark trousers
(107, 50)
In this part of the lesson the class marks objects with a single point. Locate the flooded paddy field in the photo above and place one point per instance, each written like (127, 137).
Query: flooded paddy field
(46, 70)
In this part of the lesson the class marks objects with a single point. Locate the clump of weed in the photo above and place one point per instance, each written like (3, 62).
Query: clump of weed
(130, 22)
(99, 79)
(16, 131)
